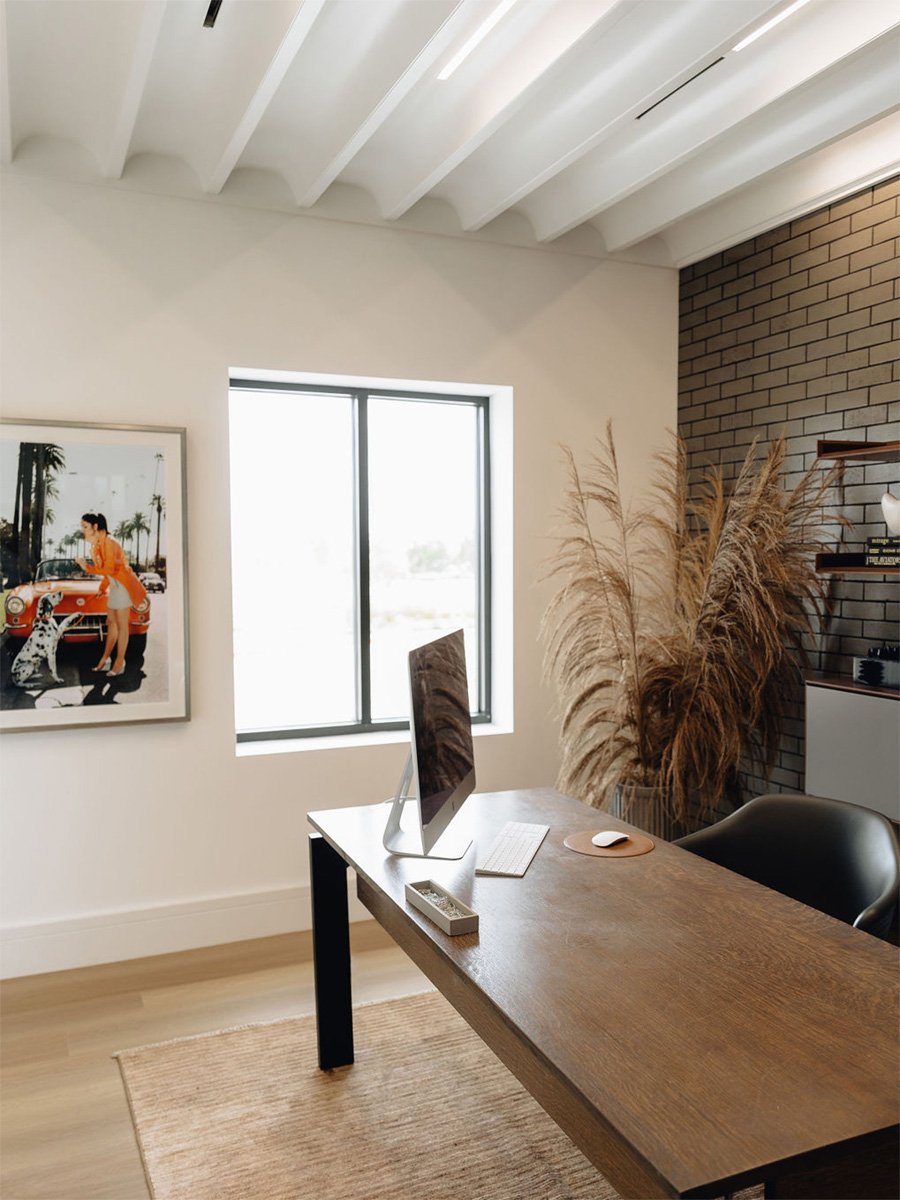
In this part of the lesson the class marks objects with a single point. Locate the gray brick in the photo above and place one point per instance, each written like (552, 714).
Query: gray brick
(884, 393)
(808, 408)
(869, 376)
(805, 370)
(782, 269)
(759, 295)
(722, 309)
(738, 252)
(827, 347)
(869, 336)
(809, 333)
(886, 271)
(886, 352)
(844, 400)
(851, 360)
(833, 269)
(794, 357)
(860, 240)
(870, 296)
(754, 262)
(774, 342)
(856, 281)
(886, 231)
(852, 320)
(827, 385)
(875, 214)
(890, 187)
(811, 295)
(794, 245)
(789, 393)
(811, 258)
(793, 283)
(870, 415)
(851, 204)
(770, 379)
(881, 253)
(821, 424)
(810, 221)
(886, 311)
(722, 275)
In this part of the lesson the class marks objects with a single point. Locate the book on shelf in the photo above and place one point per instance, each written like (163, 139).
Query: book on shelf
(884, 541)
(885, 560)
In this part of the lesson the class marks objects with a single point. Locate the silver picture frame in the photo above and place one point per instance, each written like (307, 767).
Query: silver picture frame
(53, 612)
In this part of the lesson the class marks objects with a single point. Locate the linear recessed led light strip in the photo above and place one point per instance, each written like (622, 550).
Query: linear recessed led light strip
(776, 20)
(480, 33)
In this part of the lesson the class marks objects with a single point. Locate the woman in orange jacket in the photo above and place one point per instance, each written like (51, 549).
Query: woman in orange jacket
(125, 590)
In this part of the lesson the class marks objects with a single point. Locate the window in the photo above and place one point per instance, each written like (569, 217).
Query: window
(360, 528)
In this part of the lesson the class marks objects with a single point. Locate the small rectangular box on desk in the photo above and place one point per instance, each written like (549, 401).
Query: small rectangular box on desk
(440, 906)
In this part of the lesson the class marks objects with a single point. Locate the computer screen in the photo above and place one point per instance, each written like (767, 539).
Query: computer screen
(441, 764)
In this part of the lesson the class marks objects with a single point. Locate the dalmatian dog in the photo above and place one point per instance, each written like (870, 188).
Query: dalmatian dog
(43, 640)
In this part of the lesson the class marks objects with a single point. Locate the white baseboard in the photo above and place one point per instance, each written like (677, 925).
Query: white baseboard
(93, 938)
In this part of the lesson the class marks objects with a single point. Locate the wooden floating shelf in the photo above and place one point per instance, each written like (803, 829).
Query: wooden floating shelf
(860, 451)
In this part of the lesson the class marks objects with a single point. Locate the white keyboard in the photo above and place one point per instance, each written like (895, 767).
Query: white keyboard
(512, 849)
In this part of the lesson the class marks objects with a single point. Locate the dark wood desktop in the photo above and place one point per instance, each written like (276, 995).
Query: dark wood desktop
(691, 1031)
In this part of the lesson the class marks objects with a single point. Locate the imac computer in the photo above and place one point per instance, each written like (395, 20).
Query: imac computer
(441, 762)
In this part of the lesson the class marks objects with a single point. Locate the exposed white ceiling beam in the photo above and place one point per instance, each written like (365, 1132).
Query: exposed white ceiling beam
(838, 102)
(740, 87)
(422, 63)
(664, 44)
(151, 20)
(445, 124)
(840, 169)
(5, 117)
(294, 38)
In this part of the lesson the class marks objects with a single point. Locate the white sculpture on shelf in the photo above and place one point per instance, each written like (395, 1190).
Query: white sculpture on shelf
(890, 506)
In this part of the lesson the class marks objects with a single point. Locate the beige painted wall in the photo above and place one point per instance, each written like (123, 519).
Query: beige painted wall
(126, 307)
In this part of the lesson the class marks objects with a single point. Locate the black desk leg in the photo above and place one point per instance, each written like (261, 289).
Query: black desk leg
(331, 954)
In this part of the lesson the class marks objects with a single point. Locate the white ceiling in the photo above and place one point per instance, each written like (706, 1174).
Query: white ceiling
(334, 107)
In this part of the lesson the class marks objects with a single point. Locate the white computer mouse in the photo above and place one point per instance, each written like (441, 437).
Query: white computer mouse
(609, 837)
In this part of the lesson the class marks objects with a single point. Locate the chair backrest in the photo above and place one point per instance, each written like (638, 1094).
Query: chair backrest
(839, 858)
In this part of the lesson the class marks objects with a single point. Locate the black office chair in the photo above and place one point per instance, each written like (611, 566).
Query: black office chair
(836, 857)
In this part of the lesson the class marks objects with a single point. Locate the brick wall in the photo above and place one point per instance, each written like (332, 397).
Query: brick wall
(797, 331)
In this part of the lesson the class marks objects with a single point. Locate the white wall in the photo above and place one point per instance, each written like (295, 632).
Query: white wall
(121, 307)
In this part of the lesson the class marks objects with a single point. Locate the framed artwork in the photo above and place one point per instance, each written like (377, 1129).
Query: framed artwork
(93, 560)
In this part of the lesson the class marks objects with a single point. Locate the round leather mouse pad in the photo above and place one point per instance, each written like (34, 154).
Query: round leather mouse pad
(637, 843)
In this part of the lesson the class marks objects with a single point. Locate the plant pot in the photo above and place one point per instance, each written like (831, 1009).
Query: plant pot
(649, 809)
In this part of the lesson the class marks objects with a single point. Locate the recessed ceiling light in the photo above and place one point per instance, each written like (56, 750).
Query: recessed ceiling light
(792, 8)
(481, 32)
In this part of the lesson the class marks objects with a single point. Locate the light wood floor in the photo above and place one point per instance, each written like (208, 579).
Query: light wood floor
(65, 1129)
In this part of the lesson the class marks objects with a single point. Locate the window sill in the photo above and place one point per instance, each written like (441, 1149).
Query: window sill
(346, 741)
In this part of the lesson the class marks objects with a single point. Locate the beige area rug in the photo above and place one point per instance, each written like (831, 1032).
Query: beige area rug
(427, 1112)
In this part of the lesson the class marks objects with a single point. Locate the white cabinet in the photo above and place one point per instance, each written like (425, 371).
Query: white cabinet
(853, 746)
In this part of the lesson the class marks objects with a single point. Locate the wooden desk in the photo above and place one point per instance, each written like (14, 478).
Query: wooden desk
(691, 1031)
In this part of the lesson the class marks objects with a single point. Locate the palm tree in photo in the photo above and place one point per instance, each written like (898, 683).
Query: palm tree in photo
(38, 465)
(122, 532)
(139, 525)
(157, 502)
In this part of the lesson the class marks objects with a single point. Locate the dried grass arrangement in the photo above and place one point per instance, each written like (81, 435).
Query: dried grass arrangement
(680, 624)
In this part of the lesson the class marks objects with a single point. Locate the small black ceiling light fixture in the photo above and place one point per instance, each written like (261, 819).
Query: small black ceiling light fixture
(702, 71)
(211, 13)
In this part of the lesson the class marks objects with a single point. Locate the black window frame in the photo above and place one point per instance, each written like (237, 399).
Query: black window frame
(359, 397)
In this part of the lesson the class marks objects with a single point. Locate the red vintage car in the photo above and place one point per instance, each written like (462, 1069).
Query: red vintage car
(81, 594)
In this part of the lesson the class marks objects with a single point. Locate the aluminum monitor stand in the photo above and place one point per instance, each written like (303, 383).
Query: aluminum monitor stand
(407, 843)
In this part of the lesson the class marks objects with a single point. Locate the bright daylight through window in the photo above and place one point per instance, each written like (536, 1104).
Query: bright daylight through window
(360, 530)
